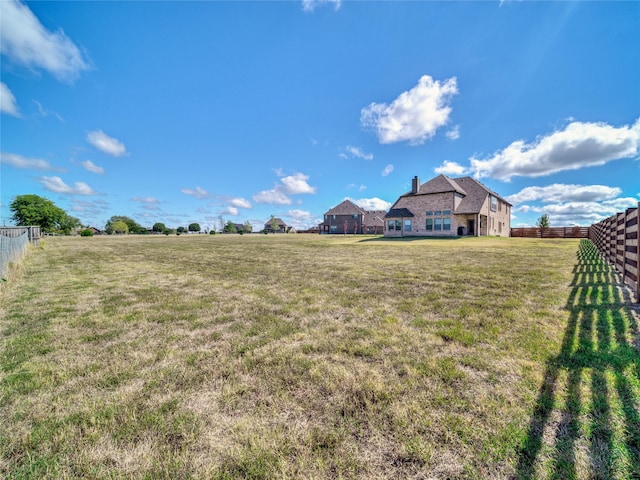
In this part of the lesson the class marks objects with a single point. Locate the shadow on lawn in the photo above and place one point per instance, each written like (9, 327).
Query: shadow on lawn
(601, 427)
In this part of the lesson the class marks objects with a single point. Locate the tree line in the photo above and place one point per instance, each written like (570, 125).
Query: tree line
(38, 211)
(34, 210)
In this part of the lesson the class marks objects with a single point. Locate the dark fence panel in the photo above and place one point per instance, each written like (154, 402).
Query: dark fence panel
(616, 238)
(551, 232)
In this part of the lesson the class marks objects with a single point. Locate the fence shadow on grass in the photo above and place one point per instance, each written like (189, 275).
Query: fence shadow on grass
(587, 416)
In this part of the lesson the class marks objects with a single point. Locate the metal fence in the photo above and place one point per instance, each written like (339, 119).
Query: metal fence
(617, 240)
(13, 245)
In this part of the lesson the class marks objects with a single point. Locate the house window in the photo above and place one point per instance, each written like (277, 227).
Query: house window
(446, 223)
(494, 203)
(437, 212)
(355, 216)
(429, 214)
(438, 224)
(407, 225)
(334, 217)
(334, 228)
(429, 224)
(446, 212)
(395, 225)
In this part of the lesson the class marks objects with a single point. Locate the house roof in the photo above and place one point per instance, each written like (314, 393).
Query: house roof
(278, 220)
(476, 195)
(473, 192)
(439, 184)
(374, 217)
(347, 207)
(399, 213)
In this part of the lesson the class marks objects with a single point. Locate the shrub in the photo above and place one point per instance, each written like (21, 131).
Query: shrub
(86, 233)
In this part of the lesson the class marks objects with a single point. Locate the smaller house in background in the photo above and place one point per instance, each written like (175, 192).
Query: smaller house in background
(446, 206)
(277, 225)
(347, 217)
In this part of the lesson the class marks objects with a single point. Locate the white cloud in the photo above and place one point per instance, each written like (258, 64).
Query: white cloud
(296, 184)
(414, 116)
(450, 168)
(45, 113)
(106, 144)
(144, 199)
(302, 219)
(579, 145)
(273, 196)
(199, 192)
(92, 167)
(240, 203)
(454, 133)
(565, 193)
(25, 41)
(584, 213)
(310, 5)
(290, 185)
(358, 153)
(88, 208)
(387, 170)
(8, 103)
(230, 211)
(374, 203)
(57, 185)
(18, 161)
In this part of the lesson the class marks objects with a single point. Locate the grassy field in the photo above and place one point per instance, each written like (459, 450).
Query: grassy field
(292, 356)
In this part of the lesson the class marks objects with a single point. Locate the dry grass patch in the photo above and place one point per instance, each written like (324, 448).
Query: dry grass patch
(315, 357)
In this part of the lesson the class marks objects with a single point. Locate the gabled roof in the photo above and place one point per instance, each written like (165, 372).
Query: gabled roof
(440, 184)
(374, 217)
(347, 207)
(399, 213)
(473, 193)
(279, 222)
(476, 195)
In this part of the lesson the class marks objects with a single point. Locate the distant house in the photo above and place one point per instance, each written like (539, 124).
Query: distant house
(446, 206)
(347, 217)
(277, 225)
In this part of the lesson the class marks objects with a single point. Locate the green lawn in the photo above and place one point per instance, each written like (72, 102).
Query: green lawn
(300, 356)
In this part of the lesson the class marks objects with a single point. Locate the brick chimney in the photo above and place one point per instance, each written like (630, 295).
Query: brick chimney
(415, 185)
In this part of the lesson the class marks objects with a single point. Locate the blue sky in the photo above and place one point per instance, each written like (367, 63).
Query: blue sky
(200, 111)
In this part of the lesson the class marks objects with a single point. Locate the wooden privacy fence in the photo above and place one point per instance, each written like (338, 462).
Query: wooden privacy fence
(13, 244)
(551, 232)
(617, 240)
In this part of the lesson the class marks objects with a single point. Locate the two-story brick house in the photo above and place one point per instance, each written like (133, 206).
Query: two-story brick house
(445, 206)
(347, 217)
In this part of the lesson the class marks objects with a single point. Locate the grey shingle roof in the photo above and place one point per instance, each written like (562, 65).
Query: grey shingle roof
(440, 184)
(347, 207)
(374, 217)
(399, 213)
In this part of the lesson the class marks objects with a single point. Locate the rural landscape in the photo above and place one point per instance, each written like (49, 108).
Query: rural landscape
(314, 356)
(319, 240)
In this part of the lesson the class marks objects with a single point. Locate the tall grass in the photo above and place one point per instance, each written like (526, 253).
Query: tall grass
(317, 357)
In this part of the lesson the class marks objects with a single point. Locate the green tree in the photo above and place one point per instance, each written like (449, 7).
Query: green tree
(194, 227)
(35, 210)
(274, 224)
(543, 221)
(68, 223)
(247, 227)
(229, 227)
(120, 227)
(132, 225)
(159, 227)
(181, 230)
